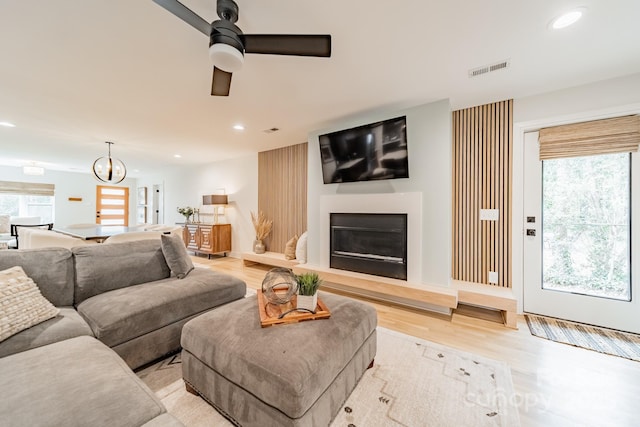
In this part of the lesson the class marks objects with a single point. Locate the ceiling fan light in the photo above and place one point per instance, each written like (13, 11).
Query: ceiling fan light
(225, 57)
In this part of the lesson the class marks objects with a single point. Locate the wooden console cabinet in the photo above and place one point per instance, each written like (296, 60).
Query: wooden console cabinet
(207, 238)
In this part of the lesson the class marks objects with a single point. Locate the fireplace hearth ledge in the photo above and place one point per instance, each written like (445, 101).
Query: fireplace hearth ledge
(428, 297)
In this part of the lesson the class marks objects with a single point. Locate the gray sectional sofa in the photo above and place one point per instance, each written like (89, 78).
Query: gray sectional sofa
(120, 298)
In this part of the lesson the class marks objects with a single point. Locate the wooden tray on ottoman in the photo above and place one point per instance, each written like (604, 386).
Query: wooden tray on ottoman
(270, 313)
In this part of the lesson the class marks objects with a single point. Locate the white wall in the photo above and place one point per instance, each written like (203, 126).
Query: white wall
(71, 184)
(608, 98)
(185, 186)
(429, 141)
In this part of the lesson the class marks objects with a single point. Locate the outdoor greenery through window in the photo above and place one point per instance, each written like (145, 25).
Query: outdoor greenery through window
(28, 205)
(586, 225)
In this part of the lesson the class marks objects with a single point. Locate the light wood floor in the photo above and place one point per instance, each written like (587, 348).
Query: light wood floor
(555, 384)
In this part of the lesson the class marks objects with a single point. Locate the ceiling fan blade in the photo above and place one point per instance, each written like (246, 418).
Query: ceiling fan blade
(288, 44)
(186, 14)
(221, 82)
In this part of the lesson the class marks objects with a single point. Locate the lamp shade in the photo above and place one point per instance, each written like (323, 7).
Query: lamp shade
(215, 199)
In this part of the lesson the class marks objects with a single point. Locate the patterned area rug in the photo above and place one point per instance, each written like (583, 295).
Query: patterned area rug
(413, 383)
(602, 340)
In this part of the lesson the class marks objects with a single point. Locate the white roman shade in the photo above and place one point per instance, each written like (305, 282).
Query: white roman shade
(30, 188)
(617, 135)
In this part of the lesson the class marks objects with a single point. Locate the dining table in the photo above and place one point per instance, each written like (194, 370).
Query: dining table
(97, 232)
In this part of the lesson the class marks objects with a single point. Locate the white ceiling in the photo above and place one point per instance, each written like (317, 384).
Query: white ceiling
(76, 73)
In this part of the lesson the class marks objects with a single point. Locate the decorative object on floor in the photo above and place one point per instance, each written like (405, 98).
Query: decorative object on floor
(108, 169)
(308, 284)
(608, 341)
(279, 285)
(462, 389)
(217, 201)
(262, 226)
(186, 212)
(290, 248)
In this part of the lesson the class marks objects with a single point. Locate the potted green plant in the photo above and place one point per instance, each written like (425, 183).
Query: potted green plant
(308, 284)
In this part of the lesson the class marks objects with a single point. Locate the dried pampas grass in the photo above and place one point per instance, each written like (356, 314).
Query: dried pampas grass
(261, 224)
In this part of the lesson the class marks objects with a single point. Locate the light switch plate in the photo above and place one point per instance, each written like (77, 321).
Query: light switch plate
(493, 277)
(489, 214)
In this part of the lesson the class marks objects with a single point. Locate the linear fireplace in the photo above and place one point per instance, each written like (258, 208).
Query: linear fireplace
(369, 243)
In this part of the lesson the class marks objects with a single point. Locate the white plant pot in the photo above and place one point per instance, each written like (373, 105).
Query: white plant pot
(308, 302)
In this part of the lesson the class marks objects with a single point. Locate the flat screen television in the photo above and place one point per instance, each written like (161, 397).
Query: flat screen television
(364, 153)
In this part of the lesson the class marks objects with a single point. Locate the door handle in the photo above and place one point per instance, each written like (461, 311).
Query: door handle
(531, 232)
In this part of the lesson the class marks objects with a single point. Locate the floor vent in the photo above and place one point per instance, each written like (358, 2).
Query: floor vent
(475, 72)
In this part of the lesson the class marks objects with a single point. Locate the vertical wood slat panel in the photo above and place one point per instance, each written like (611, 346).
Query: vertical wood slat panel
(282, 193)
(482, 174)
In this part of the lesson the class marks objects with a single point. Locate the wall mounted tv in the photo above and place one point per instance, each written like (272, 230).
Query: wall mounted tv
(364, 153)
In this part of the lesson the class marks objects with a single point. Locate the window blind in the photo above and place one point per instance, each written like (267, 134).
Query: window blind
(29, 188)
(616, 135)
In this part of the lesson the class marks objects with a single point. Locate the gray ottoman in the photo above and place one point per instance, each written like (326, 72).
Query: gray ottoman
(297, 374)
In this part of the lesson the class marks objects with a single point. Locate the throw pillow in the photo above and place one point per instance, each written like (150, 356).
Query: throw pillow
(21, 303)
(301, 248)
(4, 224)
(290, 248)
(175, 253)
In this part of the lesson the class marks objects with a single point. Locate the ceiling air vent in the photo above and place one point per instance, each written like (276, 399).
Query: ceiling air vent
(475, 72)
(272, 130)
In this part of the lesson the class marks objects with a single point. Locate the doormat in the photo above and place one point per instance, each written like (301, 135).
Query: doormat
(607, 341)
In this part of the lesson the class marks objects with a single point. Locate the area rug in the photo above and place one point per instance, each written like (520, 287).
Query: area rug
(602, 340)
(413, 383)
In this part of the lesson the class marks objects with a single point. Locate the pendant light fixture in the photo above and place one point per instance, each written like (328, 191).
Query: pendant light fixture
(108, 169)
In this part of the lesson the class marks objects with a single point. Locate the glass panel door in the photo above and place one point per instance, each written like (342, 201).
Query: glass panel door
(580, 245)
(112, 205)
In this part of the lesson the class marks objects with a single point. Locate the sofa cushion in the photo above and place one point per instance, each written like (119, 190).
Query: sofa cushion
(76, 382)
(67, 324)
(103, 268)
(21, 303)
(51, 269)
(123, 314)
(176, 255)
(301, 248)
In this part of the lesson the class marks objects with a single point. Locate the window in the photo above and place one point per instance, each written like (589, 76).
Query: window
(27, 199)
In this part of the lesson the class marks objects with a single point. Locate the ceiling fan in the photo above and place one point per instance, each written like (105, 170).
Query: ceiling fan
(228, 44)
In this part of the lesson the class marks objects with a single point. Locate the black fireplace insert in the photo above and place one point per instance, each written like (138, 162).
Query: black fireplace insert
(370, 243)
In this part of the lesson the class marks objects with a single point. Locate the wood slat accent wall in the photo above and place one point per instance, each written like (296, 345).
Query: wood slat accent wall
(482, 171)
(282, 193)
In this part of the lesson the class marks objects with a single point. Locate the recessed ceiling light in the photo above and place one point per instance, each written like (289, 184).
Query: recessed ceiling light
(177, 156)
(567, 18)
(7, 124)
(238, 127)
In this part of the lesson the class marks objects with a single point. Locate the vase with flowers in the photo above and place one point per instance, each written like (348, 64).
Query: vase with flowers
(262, 226)
(186, 212)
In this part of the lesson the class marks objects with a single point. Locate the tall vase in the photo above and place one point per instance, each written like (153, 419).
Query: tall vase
(258, 247)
